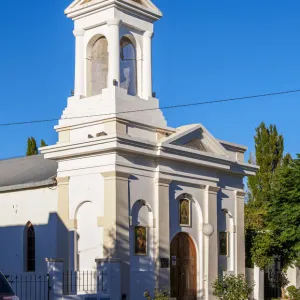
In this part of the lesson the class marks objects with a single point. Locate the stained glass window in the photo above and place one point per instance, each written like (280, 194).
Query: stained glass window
(223, 241)
(140, 237)
(184, 212)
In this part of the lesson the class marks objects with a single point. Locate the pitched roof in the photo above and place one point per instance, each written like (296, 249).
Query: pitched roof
(26, 172)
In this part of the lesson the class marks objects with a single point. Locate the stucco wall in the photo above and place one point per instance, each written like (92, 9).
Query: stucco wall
(38, 206)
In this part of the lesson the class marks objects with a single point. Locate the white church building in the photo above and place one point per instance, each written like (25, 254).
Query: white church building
(120, 184)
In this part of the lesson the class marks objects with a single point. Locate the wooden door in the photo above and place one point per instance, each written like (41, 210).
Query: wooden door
(183, 268)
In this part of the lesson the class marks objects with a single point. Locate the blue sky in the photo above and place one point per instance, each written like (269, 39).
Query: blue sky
(202, 51)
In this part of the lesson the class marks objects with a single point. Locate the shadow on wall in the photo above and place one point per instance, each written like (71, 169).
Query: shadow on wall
(51, 241)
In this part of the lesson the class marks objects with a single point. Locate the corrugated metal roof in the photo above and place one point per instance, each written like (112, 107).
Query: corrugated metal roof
(26, 172)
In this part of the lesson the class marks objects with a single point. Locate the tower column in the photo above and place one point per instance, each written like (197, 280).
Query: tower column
(147, 64)
(114, 51)
(79, 63)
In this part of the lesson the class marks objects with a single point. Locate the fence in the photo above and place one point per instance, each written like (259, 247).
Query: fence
(30, 286)
(84, 282)
(57, 284)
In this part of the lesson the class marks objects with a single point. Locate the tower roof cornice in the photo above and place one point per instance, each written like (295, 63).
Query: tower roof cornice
(144, 8)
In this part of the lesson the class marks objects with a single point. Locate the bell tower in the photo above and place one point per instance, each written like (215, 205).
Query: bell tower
(113, 64)
(113, 20)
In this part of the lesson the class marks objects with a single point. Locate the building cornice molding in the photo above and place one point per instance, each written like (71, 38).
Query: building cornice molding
(212, 189)
(240, 193)
(80, 11)
(127, 144)
(62, 180)
(78, 32)
(116, 174)
(60, 128)
(114, 21)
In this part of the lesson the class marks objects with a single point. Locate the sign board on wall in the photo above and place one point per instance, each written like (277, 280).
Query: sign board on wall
(164, 263)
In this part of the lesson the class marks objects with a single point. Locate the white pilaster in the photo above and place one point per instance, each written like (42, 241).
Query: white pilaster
(79, 62)
(114, 51)
(147, 64)
(240, 233)
(210, 231)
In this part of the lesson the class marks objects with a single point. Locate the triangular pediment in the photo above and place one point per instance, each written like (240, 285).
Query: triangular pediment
(197, 138)
(147, 5)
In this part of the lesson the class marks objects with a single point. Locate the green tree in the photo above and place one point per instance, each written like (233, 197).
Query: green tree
(269, 147)
(231, 287)
(281, 235)
(31, 147)
(43, 143)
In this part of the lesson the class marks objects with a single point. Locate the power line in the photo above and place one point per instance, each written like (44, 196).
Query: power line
(152, 109)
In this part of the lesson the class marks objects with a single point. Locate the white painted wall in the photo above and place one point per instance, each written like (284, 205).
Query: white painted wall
(39, 206)
(142, 267)
(86, 205)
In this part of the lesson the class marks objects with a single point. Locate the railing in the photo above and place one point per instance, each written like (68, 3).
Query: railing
(84, 282)
(30, 286)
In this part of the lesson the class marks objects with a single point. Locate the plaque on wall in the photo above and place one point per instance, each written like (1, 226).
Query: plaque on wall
(164, 263)
(173, 260)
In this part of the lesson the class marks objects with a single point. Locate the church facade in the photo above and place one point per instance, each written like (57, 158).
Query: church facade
(120, 184)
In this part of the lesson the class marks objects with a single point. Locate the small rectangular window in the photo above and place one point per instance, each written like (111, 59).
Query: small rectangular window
(224, 243)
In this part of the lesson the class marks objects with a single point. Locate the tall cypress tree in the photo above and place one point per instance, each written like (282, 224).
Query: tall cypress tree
(43, 143)
(31, 147)
(269, 147)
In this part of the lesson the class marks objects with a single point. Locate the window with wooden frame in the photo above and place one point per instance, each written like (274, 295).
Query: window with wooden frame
(224, 243)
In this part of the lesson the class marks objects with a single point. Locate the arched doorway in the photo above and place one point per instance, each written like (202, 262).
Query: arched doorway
(183, 268)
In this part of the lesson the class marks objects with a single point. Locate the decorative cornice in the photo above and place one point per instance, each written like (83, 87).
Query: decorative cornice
(62, 180)
(78, 32)
(76, 11)
(148, 34)
(212, 189)
(240, 194)
(115, 174)
(162, 180)
(114, 21)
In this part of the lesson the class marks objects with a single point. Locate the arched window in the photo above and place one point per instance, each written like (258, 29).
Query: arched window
(98, 66)
(29, 248)
(128, 72)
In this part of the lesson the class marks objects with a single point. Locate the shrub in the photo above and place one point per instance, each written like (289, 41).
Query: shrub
(157, 295)
(231, 287)
(294, 293)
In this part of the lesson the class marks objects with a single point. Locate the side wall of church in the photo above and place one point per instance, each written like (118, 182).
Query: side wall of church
(17, 208)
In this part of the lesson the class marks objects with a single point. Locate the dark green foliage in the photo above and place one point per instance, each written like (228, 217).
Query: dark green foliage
(232, 287)
(293, 293)
(269, 147)
(281, 235)
(43, 143)
(31, 147)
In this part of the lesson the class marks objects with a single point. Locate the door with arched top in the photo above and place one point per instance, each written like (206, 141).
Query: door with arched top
(183, 268)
